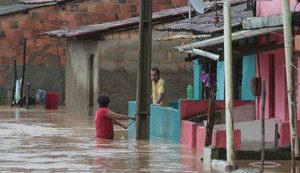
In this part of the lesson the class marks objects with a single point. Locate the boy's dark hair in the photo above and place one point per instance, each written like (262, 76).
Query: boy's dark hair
(103, 100)
(156, 70)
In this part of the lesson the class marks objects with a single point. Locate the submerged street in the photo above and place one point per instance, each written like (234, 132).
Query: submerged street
(39, 140)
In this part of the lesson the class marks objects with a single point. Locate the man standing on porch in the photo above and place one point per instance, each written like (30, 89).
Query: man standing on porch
(158, 88)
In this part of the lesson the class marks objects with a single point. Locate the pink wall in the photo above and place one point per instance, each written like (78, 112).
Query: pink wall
(297, 47)
(276, 98)
(263, 63)
(272, 70)
(281, 103)
(284, 131)
(218, 139)
(188, 133)
(200, 140)
(191, 108)
(268, 8)
(192, 135)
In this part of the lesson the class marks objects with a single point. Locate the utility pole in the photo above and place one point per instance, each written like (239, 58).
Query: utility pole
(23, 72)
(231, 158)
(288, 43)
(143, 72)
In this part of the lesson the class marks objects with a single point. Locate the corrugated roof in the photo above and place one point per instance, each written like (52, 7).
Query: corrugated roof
(115, 25)
(39, 1)
(20, 8)
(206, 24)
(199, 24)
(235, 36)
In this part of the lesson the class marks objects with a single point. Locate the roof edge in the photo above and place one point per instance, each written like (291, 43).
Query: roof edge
(43, 1)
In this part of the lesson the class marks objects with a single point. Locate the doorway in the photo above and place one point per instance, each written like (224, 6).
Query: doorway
(272, 86)
(91, 83)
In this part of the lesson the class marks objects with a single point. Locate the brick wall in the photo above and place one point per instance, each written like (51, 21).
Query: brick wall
(47, 56)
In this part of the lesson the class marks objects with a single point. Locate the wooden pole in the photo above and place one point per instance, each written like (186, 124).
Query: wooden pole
(14, 83)
(210, 121)
(23, 72)
(288, 46)
(144, 67)
(263, 98)
(211, 110)
(27, 94)
(231, 156)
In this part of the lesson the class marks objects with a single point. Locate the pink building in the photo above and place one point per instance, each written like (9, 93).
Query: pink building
(259, 46)
(271, 68)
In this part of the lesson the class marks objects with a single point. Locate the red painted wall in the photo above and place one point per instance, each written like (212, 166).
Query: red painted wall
(191, 108)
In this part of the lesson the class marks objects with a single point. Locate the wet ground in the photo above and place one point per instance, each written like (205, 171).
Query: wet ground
(39, 140)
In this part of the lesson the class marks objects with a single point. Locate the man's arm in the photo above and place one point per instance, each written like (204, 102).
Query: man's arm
(160, 98)
(117, 116)
(119, 124)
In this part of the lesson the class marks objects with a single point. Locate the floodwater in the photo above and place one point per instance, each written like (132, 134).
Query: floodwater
(39, 140)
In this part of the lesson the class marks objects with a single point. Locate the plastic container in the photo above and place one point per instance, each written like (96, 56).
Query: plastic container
(51, 100)
(190, 91)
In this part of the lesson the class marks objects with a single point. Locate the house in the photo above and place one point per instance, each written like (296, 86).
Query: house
(102, 58)
(91, 50)
(274, 74)
(45, 57)
(258, 50)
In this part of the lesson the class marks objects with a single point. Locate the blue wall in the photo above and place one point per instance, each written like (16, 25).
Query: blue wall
(248, 73)
(131, 112)
(197, 81)
(220, 81)
(164, 122)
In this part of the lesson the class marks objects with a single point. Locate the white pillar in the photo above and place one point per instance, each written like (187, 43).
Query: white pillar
(231, 158)
(288, 48)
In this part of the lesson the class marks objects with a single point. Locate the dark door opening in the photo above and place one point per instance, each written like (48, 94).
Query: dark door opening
(91, 83)
(272, 86)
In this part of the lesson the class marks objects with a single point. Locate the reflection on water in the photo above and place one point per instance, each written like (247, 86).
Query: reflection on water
(52, 141)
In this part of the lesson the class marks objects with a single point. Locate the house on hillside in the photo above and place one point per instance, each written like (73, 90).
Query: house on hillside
(45, 57)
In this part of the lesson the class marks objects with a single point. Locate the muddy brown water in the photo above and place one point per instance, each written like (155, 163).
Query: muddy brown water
(39, 140)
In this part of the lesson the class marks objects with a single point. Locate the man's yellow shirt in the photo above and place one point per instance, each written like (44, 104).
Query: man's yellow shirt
(159, 88)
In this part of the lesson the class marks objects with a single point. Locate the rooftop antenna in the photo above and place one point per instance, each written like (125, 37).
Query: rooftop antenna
(196, 5)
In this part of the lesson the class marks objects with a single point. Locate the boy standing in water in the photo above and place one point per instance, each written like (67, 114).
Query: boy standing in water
(105, 119)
